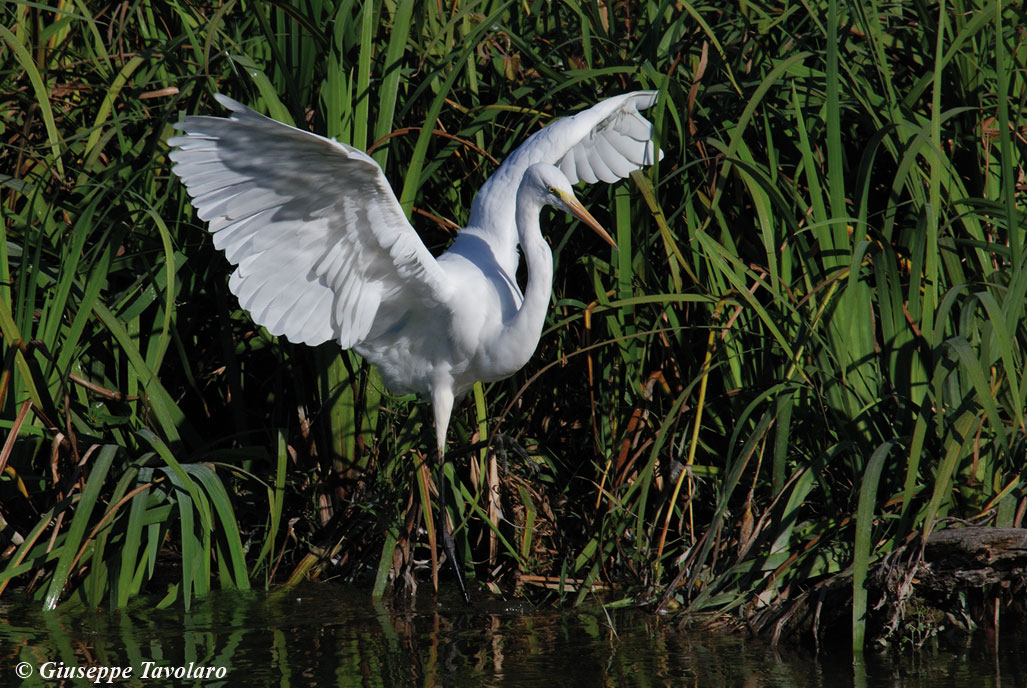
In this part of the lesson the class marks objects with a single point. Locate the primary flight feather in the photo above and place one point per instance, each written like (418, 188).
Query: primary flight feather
(323, 250)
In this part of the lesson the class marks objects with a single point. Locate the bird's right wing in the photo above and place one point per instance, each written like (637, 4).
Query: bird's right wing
(318, 237)
(608, 141)
(605, 143)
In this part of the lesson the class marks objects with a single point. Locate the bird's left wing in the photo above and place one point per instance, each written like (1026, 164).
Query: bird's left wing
(319, 240)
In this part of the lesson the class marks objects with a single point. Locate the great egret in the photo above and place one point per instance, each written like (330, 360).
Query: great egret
(324, 251)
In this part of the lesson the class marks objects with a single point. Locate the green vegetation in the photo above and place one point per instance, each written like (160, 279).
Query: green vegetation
(809, 348)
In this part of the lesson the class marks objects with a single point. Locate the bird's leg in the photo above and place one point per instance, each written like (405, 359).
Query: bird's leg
(442, 404)
(447, 538)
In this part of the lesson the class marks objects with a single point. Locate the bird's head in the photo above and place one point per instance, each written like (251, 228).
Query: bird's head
(552, 187)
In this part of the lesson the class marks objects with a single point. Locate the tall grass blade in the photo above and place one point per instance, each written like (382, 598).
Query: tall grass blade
(863, 546)
(75, 539)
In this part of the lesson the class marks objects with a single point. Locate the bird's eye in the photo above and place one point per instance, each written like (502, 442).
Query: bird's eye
(552, 190)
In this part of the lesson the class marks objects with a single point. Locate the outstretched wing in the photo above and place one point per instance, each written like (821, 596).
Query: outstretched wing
(319, 240)
(603, 143)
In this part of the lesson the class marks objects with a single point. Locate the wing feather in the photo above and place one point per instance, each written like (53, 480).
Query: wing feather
(317, 236)
(582, 167)
(599, 166)
(627, 147)
(635, 125)
(618, 164)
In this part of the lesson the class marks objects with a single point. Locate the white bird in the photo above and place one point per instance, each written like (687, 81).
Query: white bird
(323, 250)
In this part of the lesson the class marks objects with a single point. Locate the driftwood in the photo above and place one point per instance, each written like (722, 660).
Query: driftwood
(959, 579)
(982, 571)
(976, 556)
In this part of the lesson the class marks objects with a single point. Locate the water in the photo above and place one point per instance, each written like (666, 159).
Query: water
(326, 635)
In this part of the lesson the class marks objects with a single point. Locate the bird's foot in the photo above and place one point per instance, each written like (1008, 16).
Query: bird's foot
(450, 547)
(505, 444)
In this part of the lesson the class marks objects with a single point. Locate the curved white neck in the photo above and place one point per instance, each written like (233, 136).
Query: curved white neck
(519, 336)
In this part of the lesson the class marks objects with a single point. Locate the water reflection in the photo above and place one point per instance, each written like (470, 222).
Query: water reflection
(324, 635)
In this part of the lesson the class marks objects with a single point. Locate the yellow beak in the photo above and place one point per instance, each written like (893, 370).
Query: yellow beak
(579, 211)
